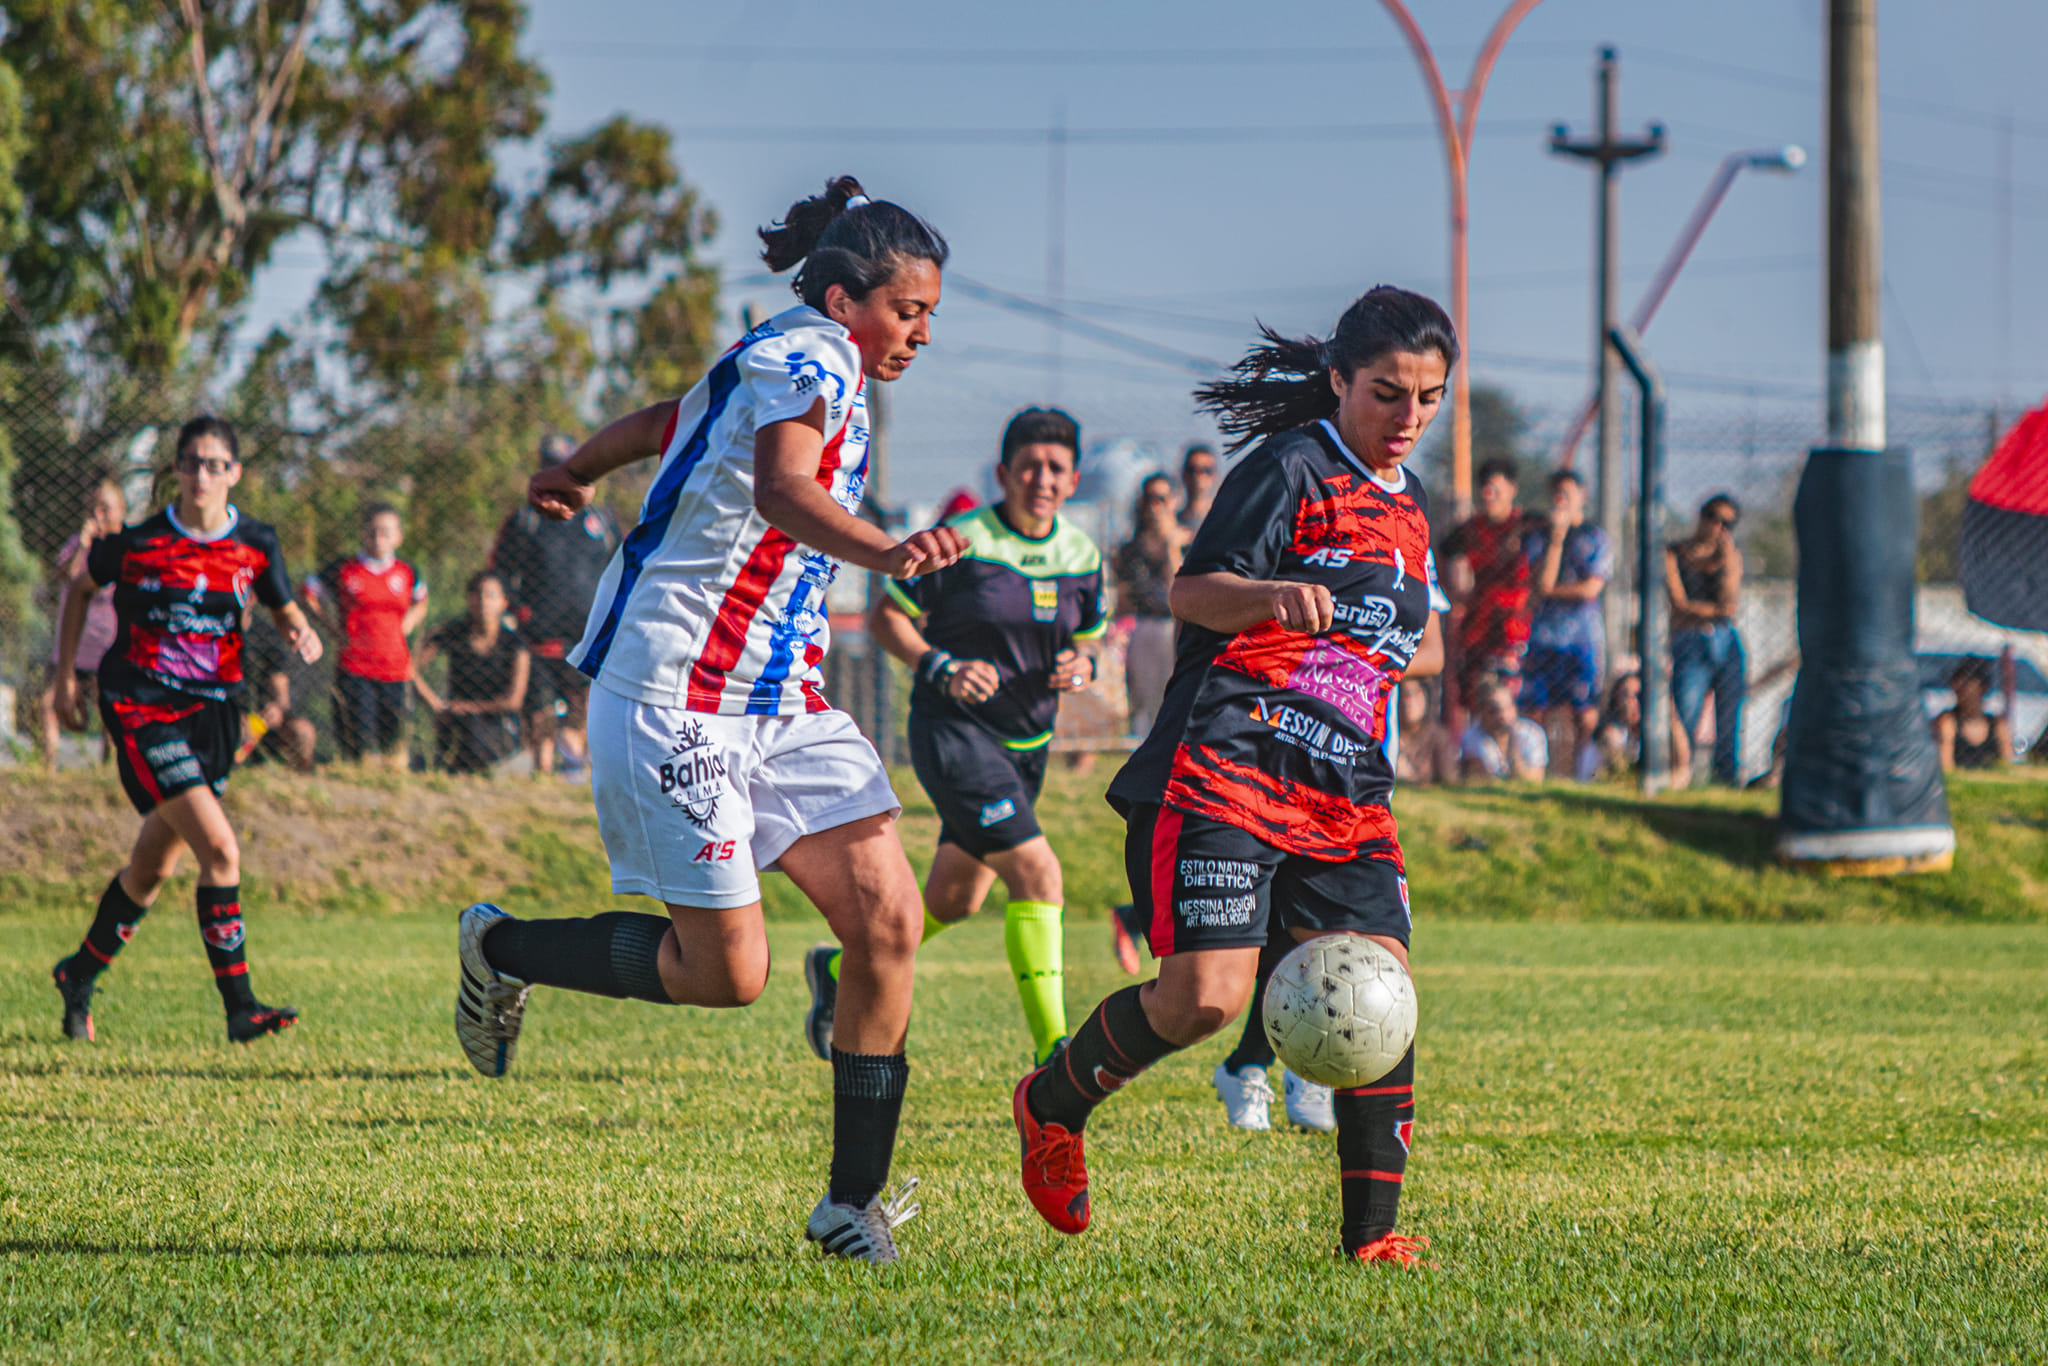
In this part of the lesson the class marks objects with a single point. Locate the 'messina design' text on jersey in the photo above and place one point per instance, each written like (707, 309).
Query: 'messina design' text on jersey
(1278, 732)
(705, 606)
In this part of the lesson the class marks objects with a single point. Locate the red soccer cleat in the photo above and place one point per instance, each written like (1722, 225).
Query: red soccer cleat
(1397, 1248)
(1055, 1172)
(1126, 946)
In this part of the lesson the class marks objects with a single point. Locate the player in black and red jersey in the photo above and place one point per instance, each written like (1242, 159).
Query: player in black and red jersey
(168, 688)
(1262, 791)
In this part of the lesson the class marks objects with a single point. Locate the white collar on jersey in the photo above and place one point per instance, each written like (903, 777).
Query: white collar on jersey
(376, 566)
(1394, 485)
(234, 516)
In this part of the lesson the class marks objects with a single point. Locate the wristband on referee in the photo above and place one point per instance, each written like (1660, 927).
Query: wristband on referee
(935, 667)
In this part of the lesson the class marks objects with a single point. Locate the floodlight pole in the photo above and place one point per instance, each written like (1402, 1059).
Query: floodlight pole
(1778, 159)
(1457, 111)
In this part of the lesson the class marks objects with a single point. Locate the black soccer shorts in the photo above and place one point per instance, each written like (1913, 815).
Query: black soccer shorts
(168, 742)
(984, 790)
(1202, 884)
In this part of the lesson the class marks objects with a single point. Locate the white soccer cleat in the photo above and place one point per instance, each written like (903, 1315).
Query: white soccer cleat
(489, 1006)
(1309, 1104)
(1246, 1096)
(866, 1233)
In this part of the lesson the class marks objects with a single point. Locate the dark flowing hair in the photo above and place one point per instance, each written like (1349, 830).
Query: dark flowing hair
(858, 249)
(1285, 383)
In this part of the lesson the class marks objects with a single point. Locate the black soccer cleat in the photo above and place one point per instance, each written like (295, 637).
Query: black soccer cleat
(77, 994)
(254, 1022)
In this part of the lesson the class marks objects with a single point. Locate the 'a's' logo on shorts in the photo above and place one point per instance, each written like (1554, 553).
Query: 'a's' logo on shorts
(1402, 883)
(997, 812)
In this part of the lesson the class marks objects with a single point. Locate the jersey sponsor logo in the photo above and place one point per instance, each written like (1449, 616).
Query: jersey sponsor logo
(694, 777)
(716, 851)
(1349, 682)
(169, 752)
(1045, 600)
(1404, 1131)
(1107, 1081)
(1233, 875)
(1030, 558)
(1319, 738)
(806, 375)
(997, 812)
(1215, 911)
(1330, 557)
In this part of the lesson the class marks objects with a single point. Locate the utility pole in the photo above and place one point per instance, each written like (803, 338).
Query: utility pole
(1863, 789)
(1608, 152)
(1056, 237)
(1855, 232)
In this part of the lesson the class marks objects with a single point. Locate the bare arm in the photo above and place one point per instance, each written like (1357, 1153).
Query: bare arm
(298, 633)
(421, 661)
(1429, 656)
(789, 498)
(70, 702)
(1229, 603)
(970, 680)
(515, 695)
(1945, 740)
(561, 491)
(1459, 581)
(1731, 585)
(414, 615)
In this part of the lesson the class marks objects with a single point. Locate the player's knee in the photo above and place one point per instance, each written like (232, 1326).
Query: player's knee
(1036, 874)
(1188, 1017)
(890, 932)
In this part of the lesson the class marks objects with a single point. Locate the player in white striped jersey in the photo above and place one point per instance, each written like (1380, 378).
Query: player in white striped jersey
(714, 755)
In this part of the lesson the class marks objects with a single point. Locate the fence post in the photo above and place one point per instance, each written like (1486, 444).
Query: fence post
(1652, 642)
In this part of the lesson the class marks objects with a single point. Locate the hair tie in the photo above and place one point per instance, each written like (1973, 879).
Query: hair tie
(855, 202)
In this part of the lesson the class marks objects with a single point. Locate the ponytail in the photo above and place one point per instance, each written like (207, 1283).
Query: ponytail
(1285, 383)
(844, 238)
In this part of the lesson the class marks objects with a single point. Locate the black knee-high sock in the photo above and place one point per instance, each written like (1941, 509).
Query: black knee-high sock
(113, 925)
(867, 1104)
(614, 954)
(1374, 1126)
(1113, 1045)
(1254, 1049)
(226, 939)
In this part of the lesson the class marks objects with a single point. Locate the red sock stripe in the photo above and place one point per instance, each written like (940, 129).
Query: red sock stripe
(231, 970)
(1369, 1175)
(86, 944)
(1376, 1091)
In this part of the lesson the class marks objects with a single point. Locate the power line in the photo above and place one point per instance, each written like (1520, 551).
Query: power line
(1208, 135)
(1022, 56)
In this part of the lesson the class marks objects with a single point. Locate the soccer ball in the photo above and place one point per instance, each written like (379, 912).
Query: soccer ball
(1340, 1010)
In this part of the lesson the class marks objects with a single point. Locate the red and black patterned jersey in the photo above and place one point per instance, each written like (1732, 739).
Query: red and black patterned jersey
(1277, 732)
(370, 601)
(179, 598)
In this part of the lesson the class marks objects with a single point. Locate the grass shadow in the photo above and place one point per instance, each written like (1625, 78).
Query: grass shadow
(59, 1247)
(1745, 839)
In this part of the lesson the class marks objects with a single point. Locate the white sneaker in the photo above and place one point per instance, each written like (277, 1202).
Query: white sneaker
(866, 1233)
(489, 1006)
(1310, 1104)
(1246, 1096)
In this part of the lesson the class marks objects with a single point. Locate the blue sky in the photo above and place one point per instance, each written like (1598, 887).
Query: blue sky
(1215, 176)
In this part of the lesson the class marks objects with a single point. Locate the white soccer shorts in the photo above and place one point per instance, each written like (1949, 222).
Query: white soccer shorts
(693, 806)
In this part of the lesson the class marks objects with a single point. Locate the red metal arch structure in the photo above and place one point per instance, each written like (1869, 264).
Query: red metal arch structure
(1457, 111)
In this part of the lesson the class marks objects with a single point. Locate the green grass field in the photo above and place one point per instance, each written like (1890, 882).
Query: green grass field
(1636, 1141)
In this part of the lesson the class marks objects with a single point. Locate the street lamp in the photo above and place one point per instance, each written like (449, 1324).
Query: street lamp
(1779, 159)
(1456, 113)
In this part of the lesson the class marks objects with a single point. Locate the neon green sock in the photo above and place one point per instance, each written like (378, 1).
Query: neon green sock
(932, 925)
(1031, 938)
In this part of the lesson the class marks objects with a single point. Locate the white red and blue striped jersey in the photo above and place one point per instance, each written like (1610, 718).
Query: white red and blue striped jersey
(705, 606)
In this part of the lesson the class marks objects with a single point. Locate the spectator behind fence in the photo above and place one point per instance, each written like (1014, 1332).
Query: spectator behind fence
(1489, 578)
(1966, 735)
(550, 571)
(489, 665)
(279, 680)
(1200, 472)
(1500, 742)
(374, 601)
(1703, 578)
(1618, 745)
(105, 513)
(1570, 564)
(1144, 570)
(1426, 754)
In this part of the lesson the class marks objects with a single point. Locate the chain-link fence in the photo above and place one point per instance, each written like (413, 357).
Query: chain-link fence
(90, 451)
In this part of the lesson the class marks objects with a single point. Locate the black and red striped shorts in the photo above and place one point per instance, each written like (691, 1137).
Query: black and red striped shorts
(168, 742)
(1207, 885)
